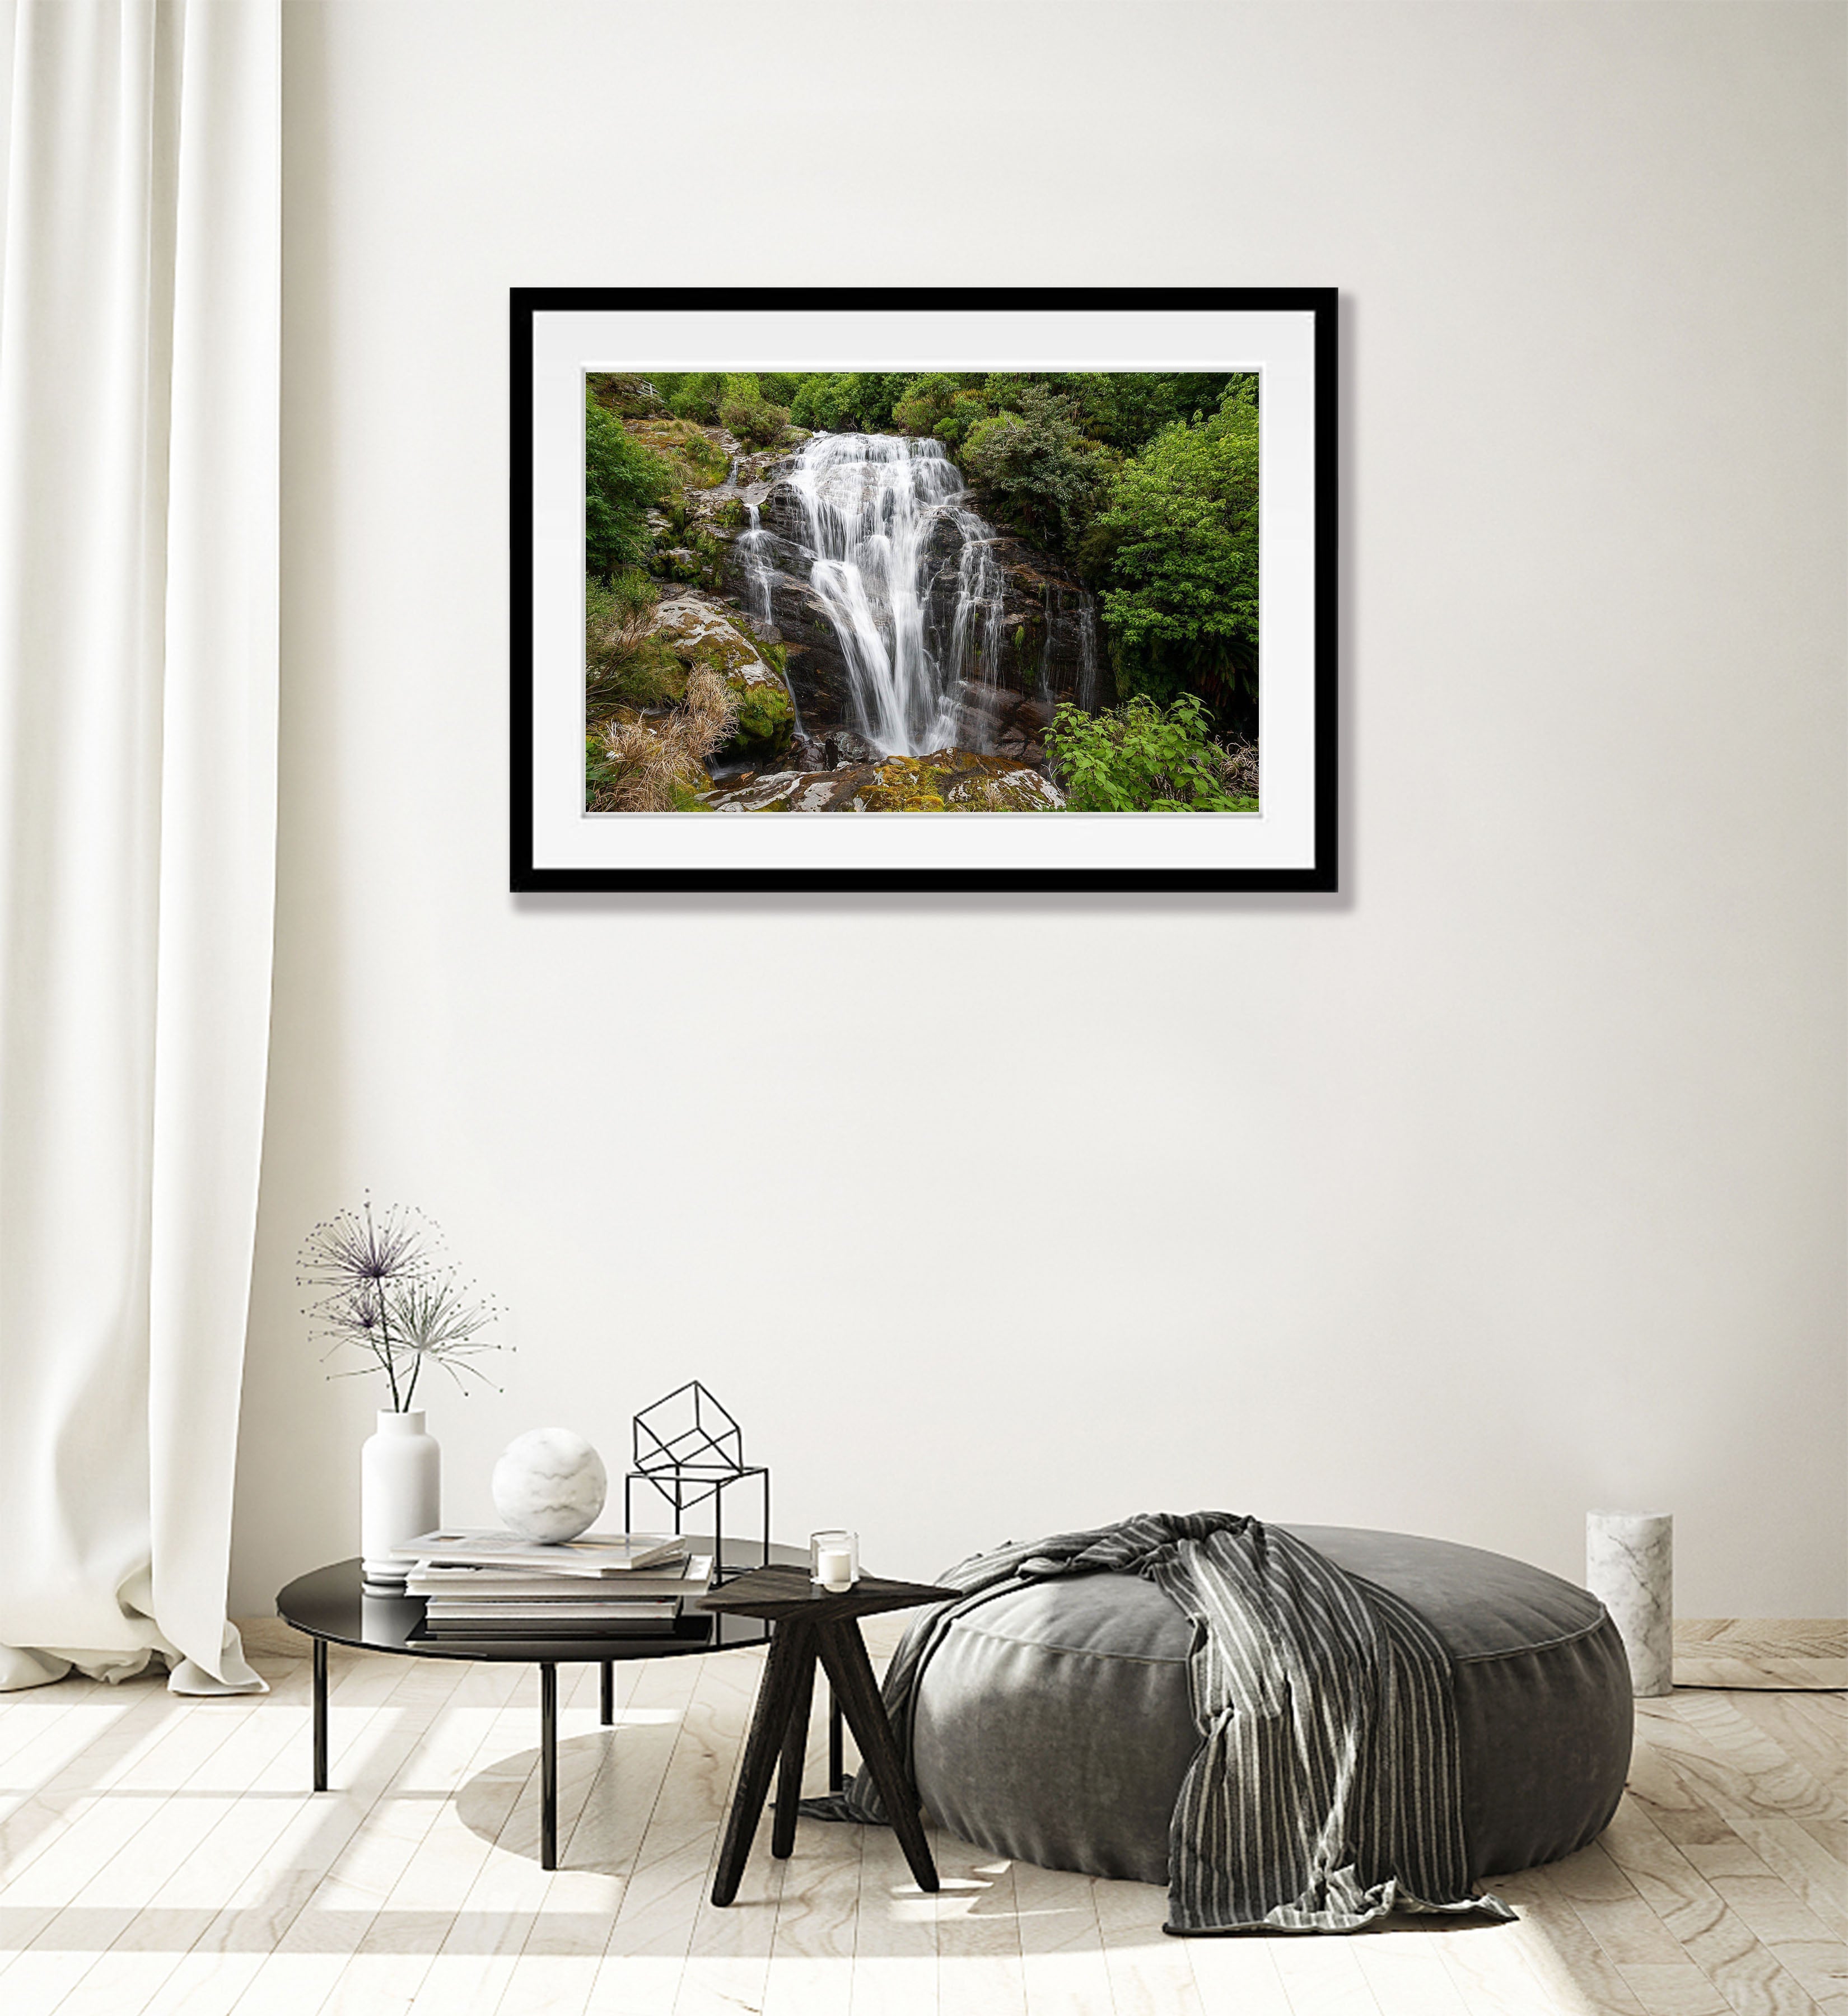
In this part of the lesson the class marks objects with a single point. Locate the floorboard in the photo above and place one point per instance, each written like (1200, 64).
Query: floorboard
(164, 1857)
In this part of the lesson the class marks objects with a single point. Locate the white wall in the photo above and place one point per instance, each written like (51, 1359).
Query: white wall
(1507, 1184)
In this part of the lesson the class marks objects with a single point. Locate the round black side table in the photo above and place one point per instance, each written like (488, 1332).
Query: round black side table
(331, 1606)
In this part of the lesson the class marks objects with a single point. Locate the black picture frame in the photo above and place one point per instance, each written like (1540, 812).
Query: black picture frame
(1317, 871)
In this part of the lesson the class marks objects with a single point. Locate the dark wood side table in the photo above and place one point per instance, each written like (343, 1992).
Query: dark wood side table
(811, 1624)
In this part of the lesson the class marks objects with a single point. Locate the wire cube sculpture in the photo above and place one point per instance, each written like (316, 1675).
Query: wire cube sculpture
(687, 1449)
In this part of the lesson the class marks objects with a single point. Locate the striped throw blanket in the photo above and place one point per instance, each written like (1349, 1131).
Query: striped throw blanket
(1326, 1790)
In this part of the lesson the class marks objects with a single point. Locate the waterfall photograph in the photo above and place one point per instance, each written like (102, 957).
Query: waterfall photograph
(921, 591)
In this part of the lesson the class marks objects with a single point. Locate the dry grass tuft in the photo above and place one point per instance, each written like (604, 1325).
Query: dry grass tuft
(1238, 767)
(656, 765)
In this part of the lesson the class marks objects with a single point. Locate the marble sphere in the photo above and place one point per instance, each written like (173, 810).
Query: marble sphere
(549, 1485)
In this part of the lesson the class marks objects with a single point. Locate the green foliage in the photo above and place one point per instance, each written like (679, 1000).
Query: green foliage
(1035, 470)
(1144, 482)
(926, 402)
(743, 408)
(849, 401)
(1129, 408)
(1181, 521)
(819, 400)
(967, 410)
(706, 461)
(1140, 758)
(628, 598)
(625, 665)
(621, 481)
(623, 394)
(691, 395)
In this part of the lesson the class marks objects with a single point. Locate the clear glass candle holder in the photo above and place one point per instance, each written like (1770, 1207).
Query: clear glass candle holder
(834, 1559)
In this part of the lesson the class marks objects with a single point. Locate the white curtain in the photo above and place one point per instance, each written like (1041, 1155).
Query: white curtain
(139, 383)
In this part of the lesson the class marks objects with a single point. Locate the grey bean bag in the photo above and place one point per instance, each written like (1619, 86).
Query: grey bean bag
(1053, 1726)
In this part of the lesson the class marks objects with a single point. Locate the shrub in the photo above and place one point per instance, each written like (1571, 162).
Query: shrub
(830, 400)
(625, 665)
(1181, 526)
(621, 481)
(926, 402)
(1035, 470)
(849, 401)
(743, 408)
(1139, 758)
(694, 395)
(966, 411)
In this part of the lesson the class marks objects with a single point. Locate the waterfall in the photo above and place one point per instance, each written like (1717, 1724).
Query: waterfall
(879, 529)
(760, 577)
(881, 514)
(1088, 692)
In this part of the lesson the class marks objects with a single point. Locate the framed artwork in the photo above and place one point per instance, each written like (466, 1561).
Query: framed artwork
(1034, 589)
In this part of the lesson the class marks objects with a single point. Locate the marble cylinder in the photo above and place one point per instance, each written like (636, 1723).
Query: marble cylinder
(1630, 1567)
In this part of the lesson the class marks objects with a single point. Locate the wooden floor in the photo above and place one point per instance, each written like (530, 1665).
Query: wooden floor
(164, 1857)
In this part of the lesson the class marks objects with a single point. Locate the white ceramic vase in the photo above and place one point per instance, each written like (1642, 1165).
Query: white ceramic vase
(400, 1472)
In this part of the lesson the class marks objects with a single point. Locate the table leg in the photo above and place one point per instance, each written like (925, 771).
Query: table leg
(320, 1714)
(850, 1673)
(606, 1710)
(837, 1763)
(548, 1764)
(792, 1656)
(795, 1751)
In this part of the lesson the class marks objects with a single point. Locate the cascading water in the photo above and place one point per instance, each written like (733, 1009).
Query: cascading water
(908, 578)
(872, 504)
(878, 530)
(760, 577)
(1088, 691)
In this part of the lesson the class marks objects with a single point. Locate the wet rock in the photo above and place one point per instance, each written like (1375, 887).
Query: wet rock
(833, 749)
(1040, 638)
(699, 631)
(948, 780)
(994, 784)
(1004, 721)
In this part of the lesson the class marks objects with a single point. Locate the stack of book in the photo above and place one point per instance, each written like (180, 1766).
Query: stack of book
(486, 1586)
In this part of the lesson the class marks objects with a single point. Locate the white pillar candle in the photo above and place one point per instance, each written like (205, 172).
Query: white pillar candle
(1630, 1567)
(836, 1565)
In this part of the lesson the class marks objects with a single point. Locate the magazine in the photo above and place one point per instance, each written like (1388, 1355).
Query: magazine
(590, 1553)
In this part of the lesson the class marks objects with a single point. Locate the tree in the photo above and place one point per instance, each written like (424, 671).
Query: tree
(1182, 521)
(692, 395)
(824, 400)
(1129, 408)
(622, 480)
(849, 401)
(927, 400)
(1035, 470)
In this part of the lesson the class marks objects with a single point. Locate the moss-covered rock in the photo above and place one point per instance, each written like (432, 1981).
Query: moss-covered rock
(901, 784)
(698, 633)
(997, 784)
(766, 713)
